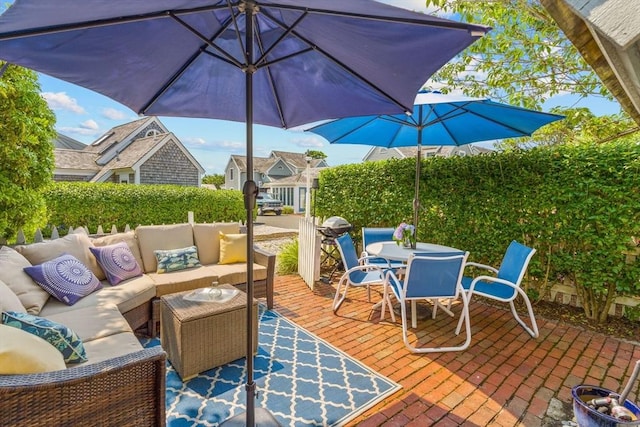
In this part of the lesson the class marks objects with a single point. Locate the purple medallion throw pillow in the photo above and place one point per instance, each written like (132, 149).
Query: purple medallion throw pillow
(65, 278)
(117, 261)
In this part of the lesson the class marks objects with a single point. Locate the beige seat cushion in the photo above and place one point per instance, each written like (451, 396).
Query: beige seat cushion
(30, 294)
(235, 274)
(182, 280)
(152, 237)
(129, 238)
(90, 324)
(126, 295)
(24, 353)
(72, 244)
(111, 346)
(9, 301)
(207, 239)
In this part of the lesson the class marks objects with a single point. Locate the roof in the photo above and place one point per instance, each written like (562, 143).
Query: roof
(295, 179)
(63, 141)
(76, 159)
(262, 164)
(115, 135)
(434, 150)
(607, 35)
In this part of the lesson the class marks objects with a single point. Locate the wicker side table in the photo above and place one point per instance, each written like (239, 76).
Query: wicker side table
(198, 336)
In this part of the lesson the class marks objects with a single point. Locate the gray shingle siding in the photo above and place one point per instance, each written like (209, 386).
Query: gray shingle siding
(169, 165)
(71, 178)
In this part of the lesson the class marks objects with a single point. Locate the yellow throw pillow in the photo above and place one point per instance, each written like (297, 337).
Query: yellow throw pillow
(233, 248)
(25, 353)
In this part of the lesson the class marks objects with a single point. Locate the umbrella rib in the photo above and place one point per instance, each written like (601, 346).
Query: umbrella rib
(60, 28)
(272, 85)
(287, 31)
(335, 61)
(226, 58)
(441, 24)
(229, 58)
(443, 120)
(372, 119)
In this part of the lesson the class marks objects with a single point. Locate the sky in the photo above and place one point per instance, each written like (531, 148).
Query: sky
(85, 116)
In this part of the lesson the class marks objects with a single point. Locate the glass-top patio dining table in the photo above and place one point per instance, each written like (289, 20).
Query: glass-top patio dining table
(392, 251)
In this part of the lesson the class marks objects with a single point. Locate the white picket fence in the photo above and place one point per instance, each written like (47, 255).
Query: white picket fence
(21, 239)
(38, 237)
(309, 251)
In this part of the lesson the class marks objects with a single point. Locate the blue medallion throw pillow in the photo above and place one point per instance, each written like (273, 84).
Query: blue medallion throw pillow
(117, 262)
(65, 278)
(58, 335)
(177, 259)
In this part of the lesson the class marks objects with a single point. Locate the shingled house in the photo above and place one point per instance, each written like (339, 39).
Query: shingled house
(279, 174)
(381, 153)
(139, 152)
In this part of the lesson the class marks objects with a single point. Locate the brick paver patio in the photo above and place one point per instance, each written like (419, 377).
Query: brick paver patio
(505, 377)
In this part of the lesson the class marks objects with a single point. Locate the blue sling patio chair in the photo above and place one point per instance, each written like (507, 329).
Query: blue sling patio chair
(376, 235)
(505, 284)
(429, 276)
(357, 271)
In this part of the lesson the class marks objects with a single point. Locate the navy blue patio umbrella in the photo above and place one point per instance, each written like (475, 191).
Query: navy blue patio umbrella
(273, 62)
(436, 119)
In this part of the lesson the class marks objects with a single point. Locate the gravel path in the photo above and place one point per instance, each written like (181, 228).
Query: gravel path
(271, 239)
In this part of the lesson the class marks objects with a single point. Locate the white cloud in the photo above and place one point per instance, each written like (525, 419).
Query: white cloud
(83, 131)
(88, 128)
(90, 125)
(62, 101)
(198, 143)
(113, 114)
(310, 141)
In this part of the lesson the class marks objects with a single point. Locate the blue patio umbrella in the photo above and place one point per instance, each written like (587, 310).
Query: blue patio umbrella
(436, 119)
(273, 62)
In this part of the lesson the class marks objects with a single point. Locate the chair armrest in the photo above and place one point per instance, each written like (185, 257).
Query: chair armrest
(267, 259)
(111, 392)
(478, 265)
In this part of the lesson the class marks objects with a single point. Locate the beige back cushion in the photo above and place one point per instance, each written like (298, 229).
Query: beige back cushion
(152, 237)
(76, 245)
(207, 239)
(129, 238)
(30, 294)
(9, 301)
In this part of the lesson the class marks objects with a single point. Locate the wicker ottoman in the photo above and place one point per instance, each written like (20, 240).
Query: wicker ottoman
(198, 336)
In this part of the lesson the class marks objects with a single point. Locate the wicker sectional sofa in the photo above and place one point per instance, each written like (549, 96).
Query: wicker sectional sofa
(121, 383)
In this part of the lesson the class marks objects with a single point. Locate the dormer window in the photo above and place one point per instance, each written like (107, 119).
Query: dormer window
(102, 138)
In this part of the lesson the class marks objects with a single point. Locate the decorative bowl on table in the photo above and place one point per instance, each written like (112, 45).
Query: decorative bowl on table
(211, 294)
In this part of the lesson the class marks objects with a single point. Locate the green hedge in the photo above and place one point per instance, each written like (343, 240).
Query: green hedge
(90, 204)
(577, 205)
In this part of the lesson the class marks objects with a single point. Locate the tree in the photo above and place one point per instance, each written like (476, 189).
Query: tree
(316, 154)
(26, 152)
(580, 126)
(215, 179)
(524, 60)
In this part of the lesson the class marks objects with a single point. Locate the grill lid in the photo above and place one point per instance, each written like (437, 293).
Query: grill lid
(336, 222)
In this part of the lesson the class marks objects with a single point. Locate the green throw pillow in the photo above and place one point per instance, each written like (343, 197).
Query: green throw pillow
(58, 335)
(177, 259)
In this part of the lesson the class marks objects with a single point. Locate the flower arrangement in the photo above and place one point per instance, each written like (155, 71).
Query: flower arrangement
(405, 235)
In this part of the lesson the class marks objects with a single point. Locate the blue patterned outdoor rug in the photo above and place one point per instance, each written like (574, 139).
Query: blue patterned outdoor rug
(301, 379)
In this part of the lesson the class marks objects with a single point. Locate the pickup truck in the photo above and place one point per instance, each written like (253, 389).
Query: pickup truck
(267, 203)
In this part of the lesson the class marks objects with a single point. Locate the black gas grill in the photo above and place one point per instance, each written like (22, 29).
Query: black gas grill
(330, 230)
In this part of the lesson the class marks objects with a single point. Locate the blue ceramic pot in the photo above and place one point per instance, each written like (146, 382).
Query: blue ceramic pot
(589, 417)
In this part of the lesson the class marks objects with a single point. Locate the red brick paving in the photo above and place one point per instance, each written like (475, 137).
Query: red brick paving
(505, 378)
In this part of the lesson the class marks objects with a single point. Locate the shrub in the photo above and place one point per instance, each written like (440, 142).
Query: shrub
(94, 204)
(288, 258)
